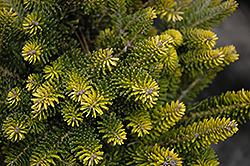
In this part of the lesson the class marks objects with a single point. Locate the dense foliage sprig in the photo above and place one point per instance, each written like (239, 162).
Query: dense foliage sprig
(97, 83)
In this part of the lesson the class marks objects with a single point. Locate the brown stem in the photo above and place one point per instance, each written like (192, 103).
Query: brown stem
(146, 4)
(85, 42)
(3, 102)
(81, 42)
(184, 93)
(13, 161)
(100, 19)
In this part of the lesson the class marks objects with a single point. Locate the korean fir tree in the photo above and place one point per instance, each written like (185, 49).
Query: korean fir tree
(94, 82)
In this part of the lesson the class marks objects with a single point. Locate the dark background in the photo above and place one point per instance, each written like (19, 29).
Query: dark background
(235, 30)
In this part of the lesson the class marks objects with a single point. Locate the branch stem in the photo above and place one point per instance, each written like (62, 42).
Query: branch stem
(81, 42)
(184, 93)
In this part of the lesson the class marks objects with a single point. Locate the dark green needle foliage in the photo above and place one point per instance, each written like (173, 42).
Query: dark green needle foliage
(94, 82)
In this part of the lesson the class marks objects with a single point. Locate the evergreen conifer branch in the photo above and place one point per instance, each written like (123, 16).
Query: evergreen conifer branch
(169, 85)
(33, 82)
(199, 38)
(208, 14)
(231, 104)
(201, 134)
(6, 15)
(141, 123)
(166, 117)
(93, 83)
(46, 152)
(208, 157)
(169, 9)
(155, 155)
(20, 157)
(71, 113)
(112, 129)
(42, 5)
